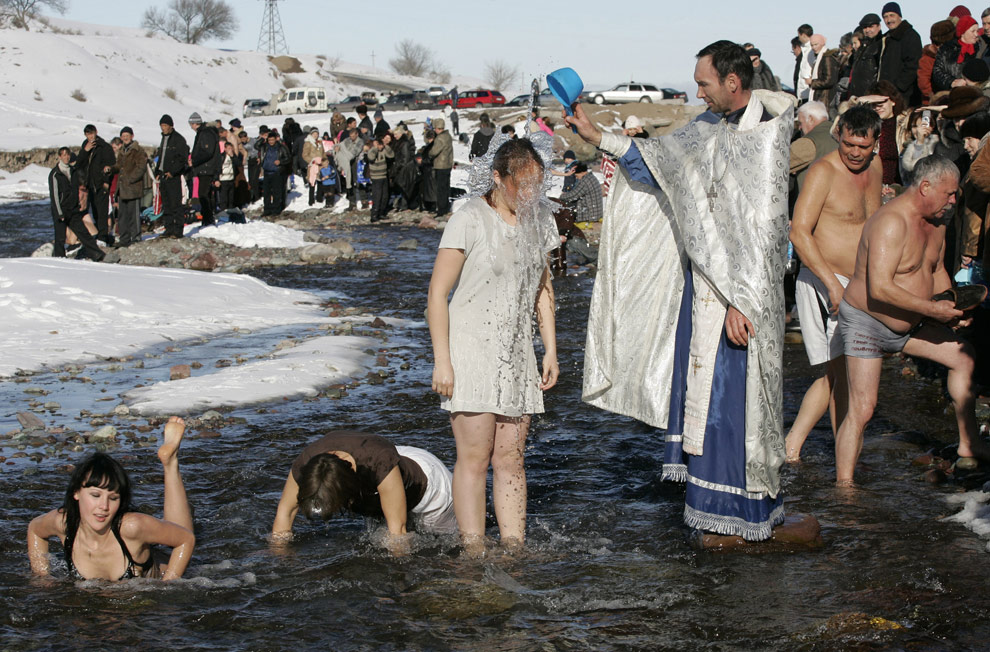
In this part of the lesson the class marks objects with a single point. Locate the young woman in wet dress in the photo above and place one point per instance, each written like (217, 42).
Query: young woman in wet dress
(493, 256)
(102, 538)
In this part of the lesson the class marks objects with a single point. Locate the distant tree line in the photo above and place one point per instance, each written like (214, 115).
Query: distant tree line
(19, 12)
(192, 21)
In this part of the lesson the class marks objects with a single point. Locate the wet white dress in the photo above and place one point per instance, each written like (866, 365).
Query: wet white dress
(492, 309)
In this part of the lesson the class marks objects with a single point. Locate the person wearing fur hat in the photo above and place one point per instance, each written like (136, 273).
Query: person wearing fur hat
(132, 162)
(963, 101)
(941, 32)
(900, 54)
(949, 61)
(866, 60)
(763, 77)
(965, 237)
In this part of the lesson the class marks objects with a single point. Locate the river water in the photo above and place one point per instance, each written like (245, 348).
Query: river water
(606, 565)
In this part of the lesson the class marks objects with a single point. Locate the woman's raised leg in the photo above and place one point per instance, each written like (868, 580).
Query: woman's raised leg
(176, 505)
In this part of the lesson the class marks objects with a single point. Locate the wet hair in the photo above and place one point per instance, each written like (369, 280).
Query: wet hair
(860, 121)
(512, 156)
(97, 470)
(933, 168)
(89, 129)
(806, 30)
(327, 486)
(728, 58)
(888, 90)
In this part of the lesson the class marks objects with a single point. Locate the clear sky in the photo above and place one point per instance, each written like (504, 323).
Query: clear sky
(606, 43)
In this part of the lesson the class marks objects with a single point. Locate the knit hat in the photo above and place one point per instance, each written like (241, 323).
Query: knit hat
(869, 19)
(976, 70)
(892, 6)
(965, 101)
(438, 123)
(754, 52)
(976, 125)
(964, 23)
(632, 122)
(942, 32)
(166, 120)
(236, 122)
(570, 154)
(195, 119)
(958, 12)
(378, 114)
(126, 130)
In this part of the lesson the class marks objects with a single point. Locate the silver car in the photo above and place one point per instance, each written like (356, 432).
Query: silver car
(631, 92)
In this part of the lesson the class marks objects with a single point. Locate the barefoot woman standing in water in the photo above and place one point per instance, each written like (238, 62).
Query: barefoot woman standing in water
(102, 538)
(493, 256)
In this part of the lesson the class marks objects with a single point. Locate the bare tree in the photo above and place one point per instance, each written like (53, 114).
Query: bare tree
(411, 58)
(500, 74)
(20, 11)
(192, 21)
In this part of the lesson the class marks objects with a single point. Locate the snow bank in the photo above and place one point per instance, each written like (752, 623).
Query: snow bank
(57, 311)
(289, 373)
(29, 183)
(975, 514)
(254, 234)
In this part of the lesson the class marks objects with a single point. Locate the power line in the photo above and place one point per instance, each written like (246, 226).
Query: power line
(272, 36)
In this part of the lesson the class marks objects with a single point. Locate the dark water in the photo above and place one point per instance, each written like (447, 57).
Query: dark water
(606, 565)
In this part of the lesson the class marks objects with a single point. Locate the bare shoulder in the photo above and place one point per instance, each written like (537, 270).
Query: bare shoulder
(826, 165)
(132, 524)
(888, 223)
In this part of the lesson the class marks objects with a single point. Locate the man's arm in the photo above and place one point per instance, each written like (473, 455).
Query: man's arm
(803, 153)
(807, 212)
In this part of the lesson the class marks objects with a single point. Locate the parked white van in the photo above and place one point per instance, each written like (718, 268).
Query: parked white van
(302, 100)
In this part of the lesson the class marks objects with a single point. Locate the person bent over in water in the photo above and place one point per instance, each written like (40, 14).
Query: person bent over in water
(888, 306)
(347, 471)
(101, 537)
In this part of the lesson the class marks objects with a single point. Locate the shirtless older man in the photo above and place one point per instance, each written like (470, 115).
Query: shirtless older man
(884, 309)
(841, 190)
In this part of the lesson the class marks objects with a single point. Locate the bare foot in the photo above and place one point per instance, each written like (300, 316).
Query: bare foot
(473, 546)
(793, 459)
(513, 545)
(174, 430)
(845, 484)
(978, 448)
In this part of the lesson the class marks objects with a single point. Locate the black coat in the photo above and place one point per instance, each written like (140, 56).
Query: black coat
(482, 138)
(64, 193)
(206, 155)
(947, 67)
(91, 164)
(865, 67)
(381, 128)
(900, 54)
(176, 158)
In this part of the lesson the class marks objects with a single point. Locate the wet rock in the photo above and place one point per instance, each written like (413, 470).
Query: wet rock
(381, 361)
(342, 247)
(104, 434)
(797, 532)
(179, 371)
(935, 476)
(222, 363)
(334, 393)
(122, 410)
(115, 367)
(40, 391)
(316, 252)
(428, 223)
(197, 365)
(405, 366)
(379, 323)
(144, 428)
(29, 421)
(211, 416)
(925, 459)
(204, 262)
(286, 344)
(793, 337)
(967, 464)
(208, 434)
(410, 245)
(51, 406)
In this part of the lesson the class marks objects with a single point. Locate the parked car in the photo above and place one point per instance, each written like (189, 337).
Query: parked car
(409, 101)
(436, 92)
(471, 99)
(255, 107)
(631, 92)
(347, 104)
(519, 100)
(674, 94)
(302, 100)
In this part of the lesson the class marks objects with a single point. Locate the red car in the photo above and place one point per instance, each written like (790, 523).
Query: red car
(471, 99)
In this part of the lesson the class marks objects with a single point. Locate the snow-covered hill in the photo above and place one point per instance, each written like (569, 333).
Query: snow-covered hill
(55, 80)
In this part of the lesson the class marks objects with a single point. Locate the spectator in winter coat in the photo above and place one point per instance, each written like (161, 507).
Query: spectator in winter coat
(68, 198)
(311, 152)
(798, 59)
(131, 167)
(427, 180)
(346, 154)
(455, 121)
(805, 32)
(482, 137)
(866, 60)
(825, 72)
(815, 142)
(941, 32)
(326, 183)
(337, 125)
(950, 58)
(381, 126)
(95, 162)
(901, 53)
(365, 127)
(405, 170)
(172, 163)
(442, 157)
(585, 198)
(922, 143)
(762, 75)
(275, 164)
(378, 156)
(206, 160)
(229, 167)
(963, 102)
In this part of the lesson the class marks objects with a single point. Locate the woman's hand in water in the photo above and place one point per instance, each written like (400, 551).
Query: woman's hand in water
(551, 371)
(399, 545)
(443, 379)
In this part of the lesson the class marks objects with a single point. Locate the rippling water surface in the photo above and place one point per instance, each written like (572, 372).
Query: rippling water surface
(606, 565)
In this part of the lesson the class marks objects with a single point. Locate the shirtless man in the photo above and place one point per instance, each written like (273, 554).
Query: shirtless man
(898, 269)
(841, 190)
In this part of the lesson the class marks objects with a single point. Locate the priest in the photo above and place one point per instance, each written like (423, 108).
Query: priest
(686, 324)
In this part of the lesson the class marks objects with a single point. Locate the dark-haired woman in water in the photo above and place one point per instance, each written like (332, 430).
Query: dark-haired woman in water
(365, 474)
(102, 538)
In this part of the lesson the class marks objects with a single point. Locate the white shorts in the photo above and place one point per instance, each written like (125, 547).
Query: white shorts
(817, 325)
(435, 511)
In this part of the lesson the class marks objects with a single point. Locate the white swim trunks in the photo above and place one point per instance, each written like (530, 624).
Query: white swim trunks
(817, 325)
(435, 511)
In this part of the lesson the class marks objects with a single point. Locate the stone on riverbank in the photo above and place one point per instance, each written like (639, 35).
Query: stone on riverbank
(29, 421)
(179, 371)
(104, 434)
(797, 532)
(410, 245)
